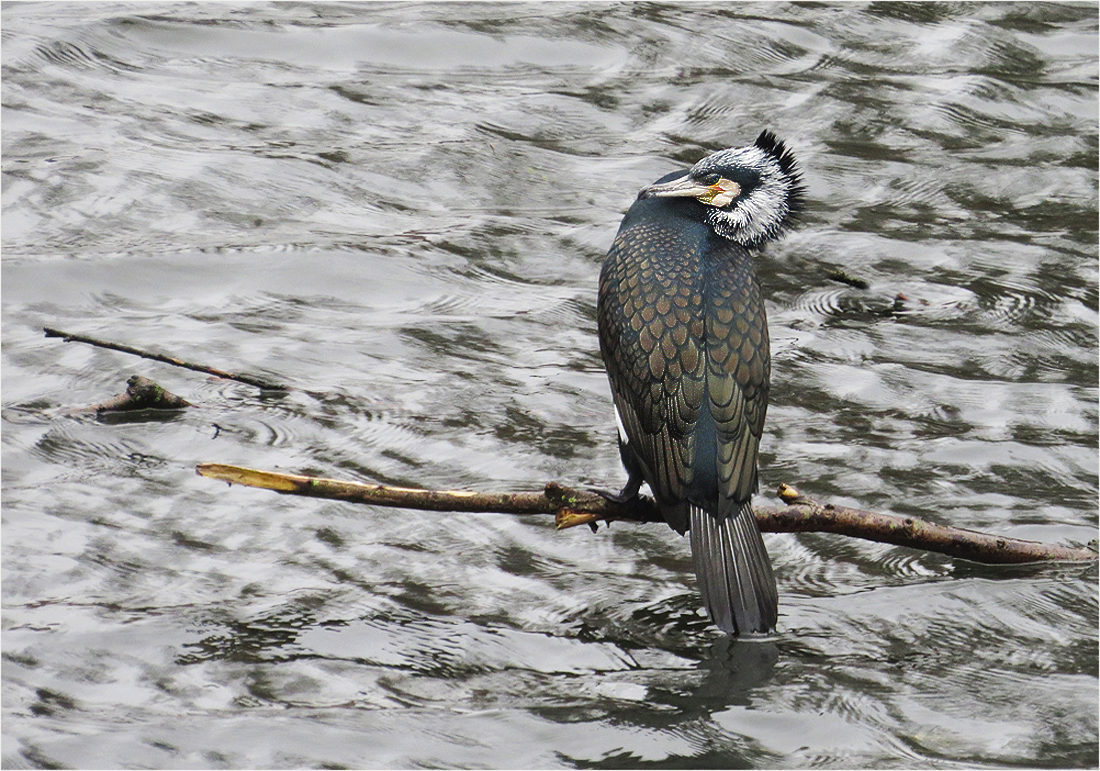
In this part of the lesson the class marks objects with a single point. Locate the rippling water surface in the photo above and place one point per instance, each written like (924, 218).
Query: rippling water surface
(401, 210)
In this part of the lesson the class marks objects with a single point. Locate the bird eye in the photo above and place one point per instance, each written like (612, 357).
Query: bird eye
(710, 179)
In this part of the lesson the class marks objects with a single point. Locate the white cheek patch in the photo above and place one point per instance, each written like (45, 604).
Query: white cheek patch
(730, 191)
(722, 199)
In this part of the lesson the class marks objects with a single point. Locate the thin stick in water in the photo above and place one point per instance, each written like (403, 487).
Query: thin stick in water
(247, 379)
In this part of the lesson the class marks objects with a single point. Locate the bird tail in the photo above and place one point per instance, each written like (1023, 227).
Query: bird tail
(733, 570)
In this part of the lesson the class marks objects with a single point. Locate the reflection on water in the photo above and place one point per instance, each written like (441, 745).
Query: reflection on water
(401, 211)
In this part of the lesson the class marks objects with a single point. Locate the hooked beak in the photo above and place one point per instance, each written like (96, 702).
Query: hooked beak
(685, 187)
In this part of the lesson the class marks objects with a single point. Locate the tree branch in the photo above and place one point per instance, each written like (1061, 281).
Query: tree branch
(572, 507)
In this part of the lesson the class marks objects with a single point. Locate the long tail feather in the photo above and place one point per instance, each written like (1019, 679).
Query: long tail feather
(734, 572)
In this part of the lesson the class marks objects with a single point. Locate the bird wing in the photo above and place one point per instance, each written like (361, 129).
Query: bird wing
(685, 344)
(738, 368)
(651, 330)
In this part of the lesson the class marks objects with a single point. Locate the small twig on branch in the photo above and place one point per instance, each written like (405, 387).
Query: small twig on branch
(575, 507)
(142, 394)
(247, 379)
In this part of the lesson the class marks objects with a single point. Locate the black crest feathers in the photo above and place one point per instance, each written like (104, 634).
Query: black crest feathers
(774, 146)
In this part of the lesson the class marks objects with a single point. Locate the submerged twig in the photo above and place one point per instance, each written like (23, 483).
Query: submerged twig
(142, 394)
(247, 379)
(572, 507)
(839, 274)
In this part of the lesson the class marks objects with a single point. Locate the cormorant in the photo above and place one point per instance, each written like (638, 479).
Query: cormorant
(684, 339)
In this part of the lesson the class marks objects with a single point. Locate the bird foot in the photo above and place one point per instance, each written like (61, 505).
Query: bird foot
(626, 495)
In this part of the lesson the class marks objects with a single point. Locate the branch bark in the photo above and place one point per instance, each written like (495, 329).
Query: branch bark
(572, 507)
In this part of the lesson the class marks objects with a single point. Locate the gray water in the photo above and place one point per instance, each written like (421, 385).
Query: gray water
(401, 210)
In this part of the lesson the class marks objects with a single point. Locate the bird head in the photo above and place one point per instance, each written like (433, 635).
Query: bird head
(750, 193)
